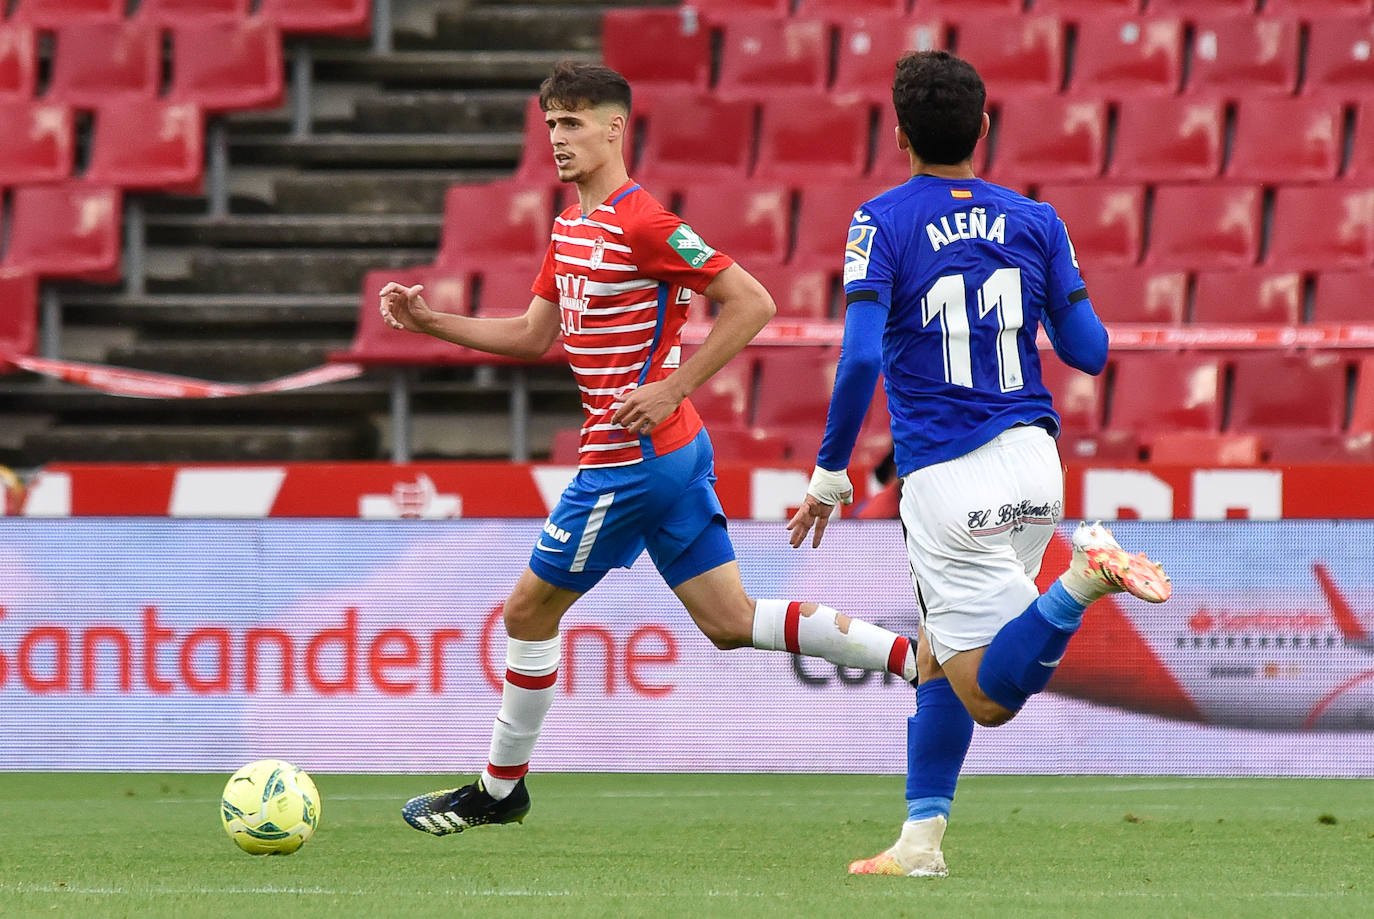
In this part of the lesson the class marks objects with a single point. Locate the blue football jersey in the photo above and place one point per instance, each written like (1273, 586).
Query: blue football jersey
(965, 272)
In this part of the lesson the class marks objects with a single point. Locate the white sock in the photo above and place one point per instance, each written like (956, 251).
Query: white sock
(531, 677)
(780, 626)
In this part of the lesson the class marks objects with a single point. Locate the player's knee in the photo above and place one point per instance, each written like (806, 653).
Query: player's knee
(727, 636)
(730, 624)
(989, 714)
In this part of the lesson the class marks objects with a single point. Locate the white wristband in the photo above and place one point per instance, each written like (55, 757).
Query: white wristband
(831, 487)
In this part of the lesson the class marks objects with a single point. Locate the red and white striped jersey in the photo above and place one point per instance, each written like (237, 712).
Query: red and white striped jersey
(622, 277)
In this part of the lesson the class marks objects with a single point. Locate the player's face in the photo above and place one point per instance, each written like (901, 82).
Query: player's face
(583, 140)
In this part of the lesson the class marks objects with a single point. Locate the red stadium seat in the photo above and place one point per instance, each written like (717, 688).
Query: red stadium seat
(1128, 57)
(563, 450)
(1248, 296)
(743, 444)
(762, 54)
(828, 143)
(1283, 447)
(179, 12)
(696, 136)
(1163, 139)
(346, 18)
(536, 156)
(1318, 7)
(1338, 57)
(1310, 392)
(1362, 406)
(977, 7)
(851, 7)
(503, 286)
(1322, 227)
(745, 7)
(1078, 397)
(66, 231)
(98, 61)
(18, 61)
(40, 142)
(870, 47)
(1245, 56)
(1158, 393)
(749, 221)
(148, 145)
(1106, 221)
(494, 220)
(1204, 448)
(653, 47)
(1157, 295)
(823, 219)
(19, 318)
(53, 14)
(1075, 9)
(803, 291)
(1286, 140)
(1049, 139)
(1191, 8)
(228, 66)
(1343, 296)
(374, 342)
(1204, 226)
(727, 398)
(794, 387)
(1014, 54)
(1360, 168)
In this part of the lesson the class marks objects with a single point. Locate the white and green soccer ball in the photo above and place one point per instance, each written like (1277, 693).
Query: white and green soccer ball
(270, 808)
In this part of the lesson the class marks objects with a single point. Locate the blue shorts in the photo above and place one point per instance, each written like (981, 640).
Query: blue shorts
(606, 517)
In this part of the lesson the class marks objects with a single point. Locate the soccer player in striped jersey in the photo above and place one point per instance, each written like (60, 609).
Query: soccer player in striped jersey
(947, 279)
(616, 281)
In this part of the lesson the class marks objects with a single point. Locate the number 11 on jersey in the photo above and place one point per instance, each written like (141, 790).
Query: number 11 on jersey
(947, 300)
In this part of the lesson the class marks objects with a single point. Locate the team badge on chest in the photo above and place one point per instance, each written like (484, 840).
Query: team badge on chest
(598, 253)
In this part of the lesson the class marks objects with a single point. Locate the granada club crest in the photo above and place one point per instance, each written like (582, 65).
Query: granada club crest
(598, 253)
(572, 300)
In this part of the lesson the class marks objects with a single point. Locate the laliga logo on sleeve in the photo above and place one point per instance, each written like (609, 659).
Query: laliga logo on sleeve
(690, 246)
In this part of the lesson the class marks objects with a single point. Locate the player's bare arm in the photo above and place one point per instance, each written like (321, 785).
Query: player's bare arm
(527, 337)
(745, 308)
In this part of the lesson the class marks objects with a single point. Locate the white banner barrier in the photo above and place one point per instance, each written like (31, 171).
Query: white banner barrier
(347, 645)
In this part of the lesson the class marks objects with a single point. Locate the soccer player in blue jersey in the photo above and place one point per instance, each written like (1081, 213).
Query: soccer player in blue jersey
(947, 279)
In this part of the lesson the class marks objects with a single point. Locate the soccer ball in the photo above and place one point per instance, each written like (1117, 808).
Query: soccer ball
(270, 808)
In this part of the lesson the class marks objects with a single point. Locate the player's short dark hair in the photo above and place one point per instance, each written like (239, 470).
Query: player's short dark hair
(939, 101)
(574, 86)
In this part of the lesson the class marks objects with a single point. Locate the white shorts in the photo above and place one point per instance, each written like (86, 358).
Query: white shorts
(976, 531)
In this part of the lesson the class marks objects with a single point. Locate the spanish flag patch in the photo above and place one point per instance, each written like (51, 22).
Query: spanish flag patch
(960, 193)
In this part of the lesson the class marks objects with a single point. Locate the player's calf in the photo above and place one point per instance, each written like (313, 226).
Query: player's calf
(1023, 655)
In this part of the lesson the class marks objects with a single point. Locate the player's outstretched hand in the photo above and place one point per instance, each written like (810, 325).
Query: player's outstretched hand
(812, 513)
(403, 307)
(827, 489)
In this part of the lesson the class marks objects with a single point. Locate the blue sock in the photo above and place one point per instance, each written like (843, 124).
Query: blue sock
(937, 737)
(1024, 654)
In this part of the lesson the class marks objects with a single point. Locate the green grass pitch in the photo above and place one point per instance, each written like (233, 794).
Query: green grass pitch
(151, 846)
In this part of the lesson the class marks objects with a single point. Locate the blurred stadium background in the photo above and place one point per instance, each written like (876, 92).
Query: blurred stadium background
(202, 197)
